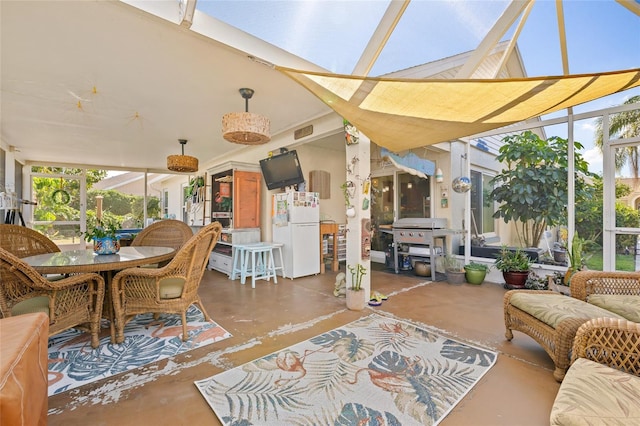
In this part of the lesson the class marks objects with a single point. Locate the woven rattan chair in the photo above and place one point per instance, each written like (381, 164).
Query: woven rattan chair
(602, 385)
(164, 233)
(24, 242)
(72, 302)
(587, 283)
(170, 289)
(609, 341)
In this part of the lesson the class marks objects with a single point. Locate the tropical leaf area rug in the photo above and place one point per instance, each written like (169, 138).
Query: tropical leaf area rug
(373, 371)
(73, 362)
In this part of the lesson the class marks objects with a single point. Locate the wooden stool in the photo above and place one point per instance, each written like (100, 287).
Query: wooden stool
(237, 261)
(278, 246)
(258, 263)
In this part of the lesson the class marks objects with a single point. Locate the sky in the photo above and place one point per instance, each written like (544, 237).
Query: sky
(601, 36)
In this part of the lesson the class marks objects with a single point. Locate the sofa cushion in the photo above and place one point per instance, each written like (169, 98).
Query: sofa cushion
(594, 394)
(552, 308)
(624, 305)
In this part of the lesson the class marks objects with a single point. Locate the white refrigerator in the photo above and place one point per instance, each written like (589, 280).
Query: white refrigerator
(296, 225)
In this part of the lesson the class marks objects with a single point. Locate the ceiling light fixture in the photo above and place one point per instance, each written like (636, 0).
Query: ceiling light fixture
(182, 163)
(244, 127)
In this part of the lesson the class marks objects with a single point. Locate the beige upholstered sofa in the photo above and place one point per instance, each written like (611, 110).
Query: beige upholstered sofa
(602, 385)
(618, 292)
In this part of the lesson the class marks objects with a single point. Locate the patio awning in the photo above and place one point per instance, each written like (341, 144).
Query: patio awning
(410, 163)
(401, 114)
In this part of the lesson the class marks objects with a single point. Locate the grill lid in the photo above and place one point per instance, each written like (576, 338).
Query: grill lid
(420, 222)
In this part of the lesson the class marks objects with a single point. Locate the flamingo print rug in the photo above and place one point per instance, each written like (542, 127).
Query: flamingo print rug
(373, 371)
(73, 362)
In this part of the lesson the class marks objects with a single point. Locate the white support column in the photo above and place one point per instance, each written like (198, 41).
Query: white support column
(571, 183)
(467, 205)
(608, 199)
(359, 226)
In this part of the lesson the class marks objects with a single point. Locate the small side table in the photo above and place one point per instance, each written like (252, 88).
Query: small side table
(329, 229)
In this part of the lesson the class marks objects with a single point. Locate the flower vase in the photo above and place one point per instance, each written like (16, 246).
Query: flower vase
(356, 299)
(106, 245)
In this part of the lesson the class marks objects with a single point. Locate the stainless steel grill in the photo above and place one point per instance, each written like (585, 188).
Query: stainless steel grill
(415, 238)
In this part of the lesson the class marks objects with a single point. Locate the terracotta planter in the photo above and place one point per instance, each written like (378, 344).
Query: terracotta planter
(515, 279)
(356, 300)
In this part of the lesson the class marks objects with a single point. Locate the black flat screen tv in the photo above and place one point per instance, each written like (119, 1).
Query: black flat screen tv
(282, 170)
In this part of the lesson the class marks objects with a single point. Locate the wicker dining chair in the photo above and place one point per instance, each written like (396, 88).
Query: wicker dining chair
(71, 302)
(164, 233)
(169, 289)
(24, 242)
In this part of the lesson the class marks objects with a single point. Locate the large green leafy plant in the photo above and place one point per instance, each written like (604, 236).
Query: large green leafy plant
(532, 189)
(512, 260)
(102, 228)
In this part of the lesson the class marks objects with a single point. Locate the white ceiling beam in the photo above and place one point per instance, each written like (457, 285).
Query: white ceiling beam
(562, 36)
(502, 25)
(512, 43)
(187, 10)
(380, 37)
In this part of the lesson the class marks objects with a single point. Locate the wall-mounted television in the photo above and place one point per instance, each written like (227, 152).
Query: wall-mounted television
(282, 170)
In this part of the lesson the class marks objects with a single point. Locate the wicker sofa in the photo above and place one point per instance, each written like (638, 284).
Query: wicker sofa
(618, 292)
(603, 383)
(552, 319)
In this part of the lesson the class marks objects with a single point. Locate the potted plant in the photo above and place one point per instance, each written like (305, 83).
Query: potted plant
(515, 266)
(454, 269)
(104, 235)
(560, 252)
(475, 272)
(576, 261)
(355, 293)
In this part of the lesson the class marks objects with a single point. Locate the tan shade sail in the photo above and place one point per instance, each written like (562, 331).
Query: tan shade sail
(400, 114)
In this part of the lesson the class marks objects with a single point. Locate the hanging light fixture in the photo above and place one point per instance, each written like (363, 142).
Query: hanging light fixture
(182, 163)
(244, 127)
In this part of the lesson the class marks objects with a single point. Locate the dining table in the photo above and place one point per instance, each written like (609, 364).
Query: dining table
(85, 260)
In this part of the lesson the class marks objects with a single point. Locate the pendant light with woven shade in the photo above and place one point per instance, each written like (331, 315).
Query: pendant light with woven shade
(182, 163)
(246, 128)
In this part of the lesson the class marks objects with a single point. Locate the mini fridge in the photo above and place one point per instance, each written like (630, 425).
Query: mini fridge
(296, 225)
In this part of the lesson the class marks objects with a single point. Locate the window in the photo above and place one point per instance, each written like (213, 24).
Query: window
(165, 203)
(415, 196)
(482, 208)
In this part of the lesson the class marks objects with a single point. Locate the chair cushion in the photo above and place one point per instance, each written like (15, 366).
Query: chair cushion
(552, 308)
(32, 305)
(626, 306)
(594, 394)
(171, 288)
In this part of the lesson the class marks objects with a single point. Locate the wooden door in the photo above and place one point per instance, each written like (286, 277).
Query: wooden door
(246, 199)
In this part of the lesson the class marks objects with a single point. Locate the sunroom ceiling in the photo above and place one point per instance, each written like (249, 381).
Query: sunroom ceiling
(117, 84)
(107, 84)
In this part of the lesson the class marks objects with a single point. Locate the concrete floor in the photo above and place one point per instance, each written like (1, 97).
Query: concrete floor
(518, 390)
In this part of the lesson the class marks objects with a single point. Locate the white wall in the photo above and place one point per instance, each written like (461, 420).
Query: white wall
(323, 150)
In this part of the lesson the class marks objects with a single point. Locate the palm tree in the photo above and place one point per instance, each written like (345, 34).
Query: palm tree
(623, 125)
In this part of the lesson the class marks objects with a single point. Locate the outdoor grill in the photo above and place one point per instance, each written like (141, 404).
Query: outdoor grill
(415, 238)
